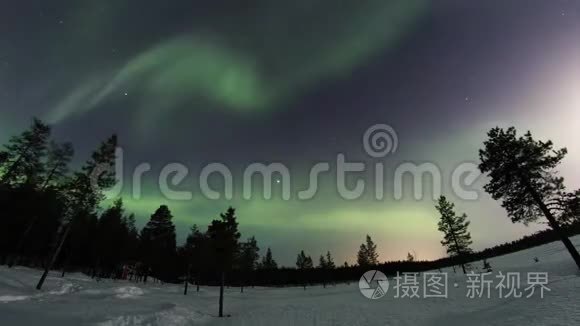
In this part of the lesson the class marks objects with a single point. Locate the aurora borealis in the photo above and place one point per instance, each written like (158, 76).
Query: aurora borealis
(297, 82)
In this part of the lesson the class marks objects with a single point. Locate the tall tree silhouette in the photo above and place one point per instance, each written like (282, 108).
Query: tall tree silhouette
(223, 235)
(268, 261)
(83, 193)
(303, 261)
(521, 171)
(325, 265)
(367, 254)
(329, 261)
(56, 169)
(195, 250)
(248, 258)
(131, 241)
(111, 236)
(456, 237)
(158, 247)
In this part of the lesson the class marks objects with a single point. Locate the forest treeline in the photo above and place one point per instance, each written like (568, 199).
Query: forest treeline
(52, 218)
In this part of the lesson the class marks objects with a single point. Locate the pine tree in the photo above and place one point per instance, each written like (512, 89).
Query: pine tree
(24, 154)
(56, 169)
(367, 254)
(59, 157)
(268, 261)
(308, 263)
(304, 262)
(456, 237)
(224, 236)
(158, 247)
(196, 247)
(567, 207)
(322, 262)
(410, 257)
(329, 261)
(249, 255)
(111, 236)
(521, 171)
(324, 265)
(83, 193)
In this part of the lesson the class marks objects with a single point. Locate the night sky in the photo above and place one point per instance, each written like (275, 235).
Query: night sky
(298, 82)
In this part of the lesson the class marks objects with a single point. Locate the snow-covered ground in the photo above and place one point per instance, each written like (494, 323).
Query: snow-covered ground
(78, 300)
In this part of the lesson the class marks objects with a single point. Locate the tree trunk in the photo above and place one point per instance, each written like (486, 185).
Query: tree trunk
(54, 257)
(197, 277)
(221, 309)
(553, 223)
(186, 279)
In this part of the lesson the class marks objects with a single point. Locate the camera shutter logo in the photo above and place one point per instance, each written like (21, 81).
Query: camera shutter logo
(373, 284)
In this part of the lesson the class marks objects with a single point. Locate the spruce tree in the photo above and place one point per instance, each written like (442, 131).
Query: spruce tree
(224, 236)
(268, 261)
(522, 175)
(322, 262)
(56, 169)
(303, 261)
(456, 237)
(158, 247)
(329, 261)
(196, 247)
(111, 236)
(367, 255)
(131, 240)
(248, 258)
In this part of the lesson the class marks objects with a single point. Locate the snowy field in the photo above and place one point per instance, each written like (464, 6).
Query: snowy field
(78, 300)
